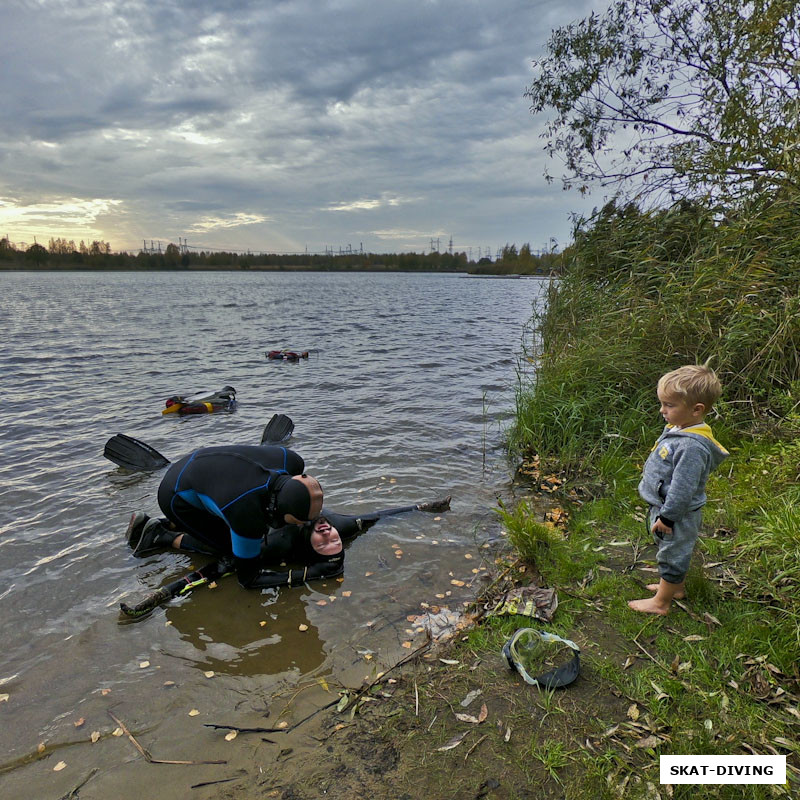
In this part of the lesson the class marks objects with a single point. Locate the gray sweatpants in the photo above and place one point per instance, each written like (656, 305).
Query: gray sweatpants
(675, 551)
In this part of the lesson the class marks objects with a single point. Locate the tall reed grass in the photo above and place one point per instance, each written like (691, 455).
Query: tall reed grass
(644, 292)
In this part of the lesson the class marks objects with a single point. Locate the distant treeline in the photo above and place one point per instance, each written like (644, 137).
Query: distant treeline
(63, 254)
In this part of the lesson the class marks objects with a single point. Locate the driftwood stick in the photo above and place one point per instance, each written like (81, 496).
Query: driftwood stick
(146, 753)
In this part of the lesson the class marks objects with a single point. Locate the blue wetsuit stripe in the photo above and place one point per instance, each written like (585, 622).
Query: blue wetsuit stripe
(250, 491)
(244, 547)
(180, 474)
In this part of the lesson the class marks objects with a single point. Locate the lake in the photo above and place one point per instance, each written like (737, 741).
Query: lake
(403, 399)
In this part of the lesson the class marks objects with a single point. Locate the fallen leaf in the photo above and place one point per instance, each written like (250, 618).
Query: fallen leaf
(467, 555)
(628, 661)
(41, 748)
(3, 698)
(104, 692)
(660, 693)
(169, 683)
(262, 623)
(120, 732)
(79, 722)
(302, 627)
(449, 661)
(483, 713)
(648, 741)
(507, 734)
(693, 638)
(95, 737)
(633, 712)
(467, 718)
(676, 662)
(322, 602)
(712, 619)
(346, 594)
(456, 582)
(144, 664)
(407, 645)
(209, 674)
(367, 574)
(212, 585)
(470, 697)
(283, 724)
(229, 737)
(454, 742)
(194, 712)
(58, 767)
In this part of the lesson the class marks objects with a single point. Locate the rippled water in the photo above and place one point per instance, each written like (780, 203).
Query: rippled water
(402, 400)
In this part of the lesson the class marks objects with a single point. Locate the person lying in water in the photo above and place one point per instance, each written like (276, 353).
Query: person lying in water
(223, 500)
(318, 545)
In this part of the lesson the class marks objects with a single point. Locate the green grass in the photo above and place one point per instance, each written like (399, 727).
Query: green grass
(643, 293)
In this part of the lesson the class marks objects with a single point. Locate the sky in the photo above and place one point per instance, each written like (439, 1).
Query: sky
(275, 126)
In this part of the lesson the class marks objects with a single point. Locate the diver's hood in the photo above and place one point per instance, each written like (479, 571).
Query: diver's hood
(288, 497)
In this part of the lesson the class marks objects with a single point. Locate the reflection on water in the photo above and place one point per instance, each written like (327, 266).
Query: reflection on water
(402, 400)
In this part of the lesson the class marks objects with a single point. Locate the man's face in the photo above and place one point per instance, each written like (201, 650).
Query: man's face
(325, 538)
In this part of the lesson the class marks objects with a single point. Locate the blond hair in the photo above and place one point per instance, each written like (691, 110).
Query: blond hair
(694, 383)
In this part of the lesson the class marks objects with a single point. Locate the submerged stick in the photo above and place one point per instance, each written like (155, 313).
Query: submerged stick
(146, 753)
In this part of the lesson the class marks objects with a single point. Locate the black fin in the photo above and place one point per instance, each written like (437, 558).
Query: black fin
(132, 454)
(278, 429)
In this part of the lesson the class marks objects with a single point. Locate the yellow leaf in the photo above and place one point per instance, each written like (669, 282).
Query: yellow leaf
(346, 594)
(58, 767)
(407, 645)
(79, 722)
(95, 737)
(367, 574)
(4, 698)
(456, 582)
(283, 724)
(302, 627)
(144, 664)
(633, 712)
(120, 732)
(104, 692)
(41, 748)
(262, 623)
(322, 602)
(212, 585)
(209, 674)
(467, 555)
(194, 712)
(229, 737)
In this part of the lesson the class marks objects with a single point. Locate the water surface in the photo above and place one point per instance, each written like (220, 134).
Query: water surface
(403, 399)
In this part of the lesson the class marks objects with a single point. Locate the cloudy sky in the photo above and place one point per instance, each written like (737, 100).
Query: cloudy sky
(279, 126)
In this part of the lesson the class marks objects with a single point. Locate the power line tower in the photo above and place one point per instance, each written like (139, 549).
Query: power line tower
(450, 246)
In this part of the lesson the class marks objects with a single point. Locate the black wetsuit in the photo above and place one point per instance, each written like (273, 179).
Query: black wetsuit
(226, 496)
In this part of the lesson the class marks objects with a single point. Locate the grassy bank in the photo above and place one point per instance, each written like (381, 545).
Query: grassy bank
(642, 294)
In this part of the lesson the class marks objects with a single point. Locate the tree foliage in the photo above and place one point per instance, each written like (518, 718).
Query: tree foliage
(677, 97)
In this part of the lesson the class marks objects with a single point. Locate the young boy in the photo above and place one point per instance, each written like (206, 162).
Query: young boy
(675, 475)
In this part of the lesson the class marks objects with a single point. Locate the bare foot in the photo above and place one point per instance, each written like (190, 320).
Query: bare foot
(649, 606)
(653, 587)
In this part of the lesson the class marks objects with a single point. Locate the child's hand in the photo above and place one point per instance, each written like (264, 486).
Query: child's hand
(660, 528)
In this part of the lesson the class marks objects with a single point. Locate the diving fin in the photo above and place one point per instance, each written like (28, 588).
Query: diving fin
(278, 429)
(132, 454)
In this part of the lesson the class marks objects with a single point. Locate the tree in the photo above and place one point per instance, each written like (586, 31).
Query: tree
(37, 254)
(679, 97)
(61, 246)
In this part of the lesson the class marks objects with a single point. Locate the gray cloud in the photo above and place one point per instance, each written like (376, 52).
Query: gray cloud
(288, 123)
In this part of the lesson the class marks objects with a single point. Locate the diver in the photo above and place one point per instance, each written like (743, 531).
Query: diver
(224, 500)
(316, 546)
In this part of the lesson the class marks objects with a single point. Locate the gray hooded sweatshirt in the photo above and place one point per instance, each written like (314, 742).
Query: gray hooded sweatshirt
(676, 471)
